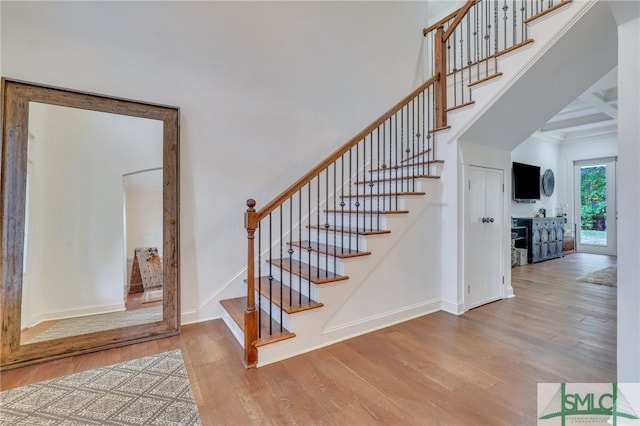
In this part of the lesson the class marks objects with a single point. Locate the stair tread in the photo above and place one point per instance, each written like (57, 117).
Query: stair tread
(397, 178)
(459, 106)
(309, 273)
(471, 65)
(522, 43)
(292, 300)
(339, 252)
(547, 11)
(397, 166)
(418, 154)
(352, 230)
(236, 308)
(482, 80)
(369, 211)
(381, 194)
(439, 129)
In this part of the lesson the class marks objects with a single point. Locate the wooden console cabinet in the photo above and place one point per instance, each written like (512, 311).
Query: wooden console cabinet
(546, 237)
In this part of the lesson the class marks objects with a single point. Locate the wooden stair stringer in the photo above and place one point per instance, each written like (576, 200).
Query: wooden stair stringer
(310, 326)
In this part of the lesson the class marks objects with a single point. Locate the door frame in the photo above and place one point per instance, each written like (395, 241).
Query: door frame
(612, 213)
(468, 243)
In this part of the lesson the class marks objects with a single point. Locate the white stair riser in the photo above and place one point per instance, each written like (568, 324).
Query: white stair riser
(366, 220)
(458, 87)
(299, 284)
(329, 263)
(404, 185)
(345, 240)
(235, 329)
(433, 169)
(275, 309)
(388, 202)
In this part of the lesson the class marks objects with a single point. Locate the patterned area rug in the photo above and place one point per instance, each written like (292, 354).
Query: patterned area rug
(607, 276)
(153, 390)
(100, 322)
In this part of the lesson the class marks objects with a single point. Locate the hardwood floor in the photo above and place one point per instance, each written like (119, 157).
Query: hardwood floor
(478, 368)
(134, 301)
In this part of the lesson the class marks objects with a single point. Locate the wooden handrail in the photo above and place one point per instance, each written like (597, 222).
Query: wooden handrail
(444, 20)
(440, 60)
(441, 22)
(462, 12)
(287, 193)
(438, 79)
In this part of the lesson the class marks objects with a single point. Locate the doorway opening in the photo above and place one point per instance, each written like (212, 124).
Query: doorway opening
(595, 206)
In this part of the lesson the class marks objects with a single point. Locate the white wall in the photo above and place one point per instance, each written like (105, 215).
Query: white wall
(266, 90)
(542, 153)
(451, 252)
(143, 222)
(628, 201)
(390, 290)
(143, 216)
(75, 262)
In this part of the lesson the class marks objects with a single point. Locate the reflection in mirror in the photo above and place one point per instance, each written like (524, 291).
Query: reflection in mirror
(143, 236)
(90, 217)
(85, 169)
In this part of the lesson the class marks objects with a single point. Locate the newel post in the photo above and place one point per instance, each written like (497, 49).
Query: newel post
(250, 314)
(440, 66)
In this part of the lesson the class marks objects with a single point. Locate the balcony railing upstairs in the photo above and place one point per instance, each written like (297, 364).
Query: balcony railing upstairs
(468, 42)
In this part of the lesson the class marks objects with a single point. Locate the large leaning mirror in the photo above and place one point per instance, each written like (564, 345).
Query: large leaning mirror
(89, 189)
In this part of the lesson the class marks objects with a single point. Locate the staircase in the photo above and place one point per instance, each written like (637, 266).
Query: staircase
(314, 245)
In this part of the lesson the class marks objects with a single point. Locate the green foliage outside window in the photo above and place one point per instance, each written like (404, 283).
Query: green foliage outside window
(593, 197)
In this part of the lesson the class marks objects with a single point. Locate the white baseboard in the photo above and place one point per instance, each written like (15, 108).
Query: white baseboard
(77, 312)
(509, 293)
(350, 330)
(386, 319)
(455, 308)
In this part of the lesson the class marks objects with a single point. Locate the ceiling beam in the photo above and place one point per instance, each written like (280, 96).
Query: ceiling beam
(599, 104)
(576, 122)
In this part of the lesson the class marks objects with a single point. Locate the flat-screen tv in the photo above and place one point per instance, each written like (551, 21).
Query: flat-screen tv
(526, 182)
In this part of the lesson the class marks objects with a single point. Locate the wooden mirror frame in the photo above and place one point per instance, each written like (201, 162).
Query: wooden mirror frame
(14, 111)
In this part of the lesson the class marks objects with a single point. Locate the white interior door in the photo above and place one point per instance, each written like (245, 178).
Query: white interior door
(595, 206)
(484, 248)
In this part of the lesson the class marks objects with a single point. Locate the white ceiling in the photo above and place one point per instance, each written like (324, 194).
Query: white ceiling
(594, 113)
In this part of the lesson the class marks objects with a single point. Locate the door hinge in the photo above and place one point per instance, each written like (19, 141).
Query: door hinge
(469, 185)
(503, 187)
(503, 279)
(468, 288)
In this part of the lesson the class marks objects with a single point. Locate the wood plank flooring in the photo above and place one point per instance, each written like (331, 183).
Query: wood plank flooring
(475, 369)
(134, 301)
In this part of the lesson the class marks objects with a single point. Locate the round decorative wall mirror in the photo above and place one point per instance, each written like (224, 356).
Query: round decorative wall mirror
(548, 182)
